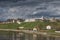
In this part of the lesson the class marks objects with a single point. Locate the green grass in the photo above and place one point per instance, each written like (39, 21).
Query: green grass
(9, 26)
(30, 25)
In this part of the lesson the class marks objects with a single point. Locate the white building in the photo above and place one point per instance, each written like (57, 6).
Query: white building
(18, 22)
(34, 29)
(52, 19)
(21, 27)
(13, 21)
(48, 27)
(42, 18)
(34, 19)
(30, 20)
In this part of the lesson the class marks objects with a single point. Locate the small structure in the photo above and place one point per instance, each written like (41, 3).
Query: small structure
(20, 27)
(35, 19)
(34, 29)
(13, 20)
(57, 31)
(42, 18)
(30, 20)
(52, 19)
(48, 27)
(18, 22)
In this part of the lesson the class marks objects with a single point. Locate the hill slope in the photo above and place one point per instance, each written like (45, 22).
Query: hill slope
(30, 25)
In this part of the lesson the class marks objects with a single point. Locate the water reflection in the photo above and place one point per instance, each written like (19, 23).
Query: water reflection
(26, 36)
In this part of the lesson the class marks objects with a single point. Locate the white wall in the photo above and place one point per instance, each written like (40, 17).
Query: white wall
(29, 20)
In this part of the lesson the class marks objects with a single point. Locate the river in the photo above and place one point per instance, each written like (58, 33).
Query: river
(26, 36)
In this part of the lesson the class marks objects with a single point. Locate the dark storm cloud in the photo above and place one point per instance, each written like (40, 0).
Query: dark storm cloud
(13, 0)
(25, 8)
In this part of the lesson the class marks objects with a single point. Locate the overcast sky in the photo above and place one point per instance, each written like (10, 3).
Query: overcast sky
(28, 8)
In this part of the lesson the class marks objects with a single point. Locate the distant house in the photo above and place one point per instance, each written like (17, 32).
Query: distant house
(58, 19)
(15, 21)
(11, 20)
(52, 19)
(29, 20)
(18, 22)
(40, 19)
(48, 27)
(20, 28)
(34, 29)
(34, 19)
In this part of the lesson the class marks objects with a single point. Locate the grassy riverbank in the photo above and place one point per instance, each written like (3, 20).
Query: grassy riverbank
(30, 25)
